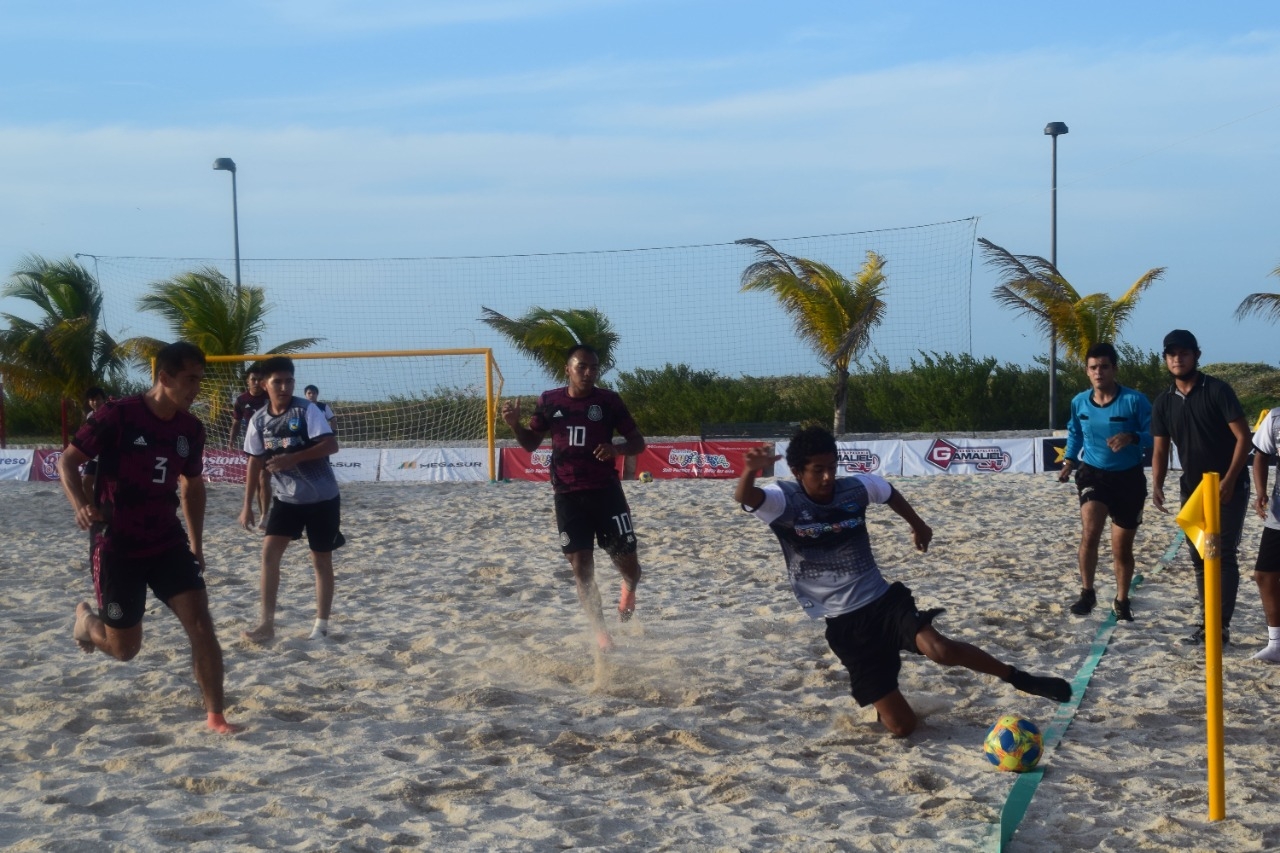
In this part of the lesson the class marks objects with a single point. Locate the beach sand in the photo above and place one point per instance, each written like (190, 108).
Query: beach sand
(458, 704)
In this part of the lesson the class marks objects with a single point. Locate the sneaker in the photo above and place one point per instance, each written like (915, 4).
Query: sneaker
(1085, 603)
(1057, 689)
(1122, 610)
(1197, 637)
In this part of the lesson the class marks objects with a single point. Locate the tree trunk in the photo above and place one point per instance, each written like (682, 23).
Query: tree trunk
(841, 400)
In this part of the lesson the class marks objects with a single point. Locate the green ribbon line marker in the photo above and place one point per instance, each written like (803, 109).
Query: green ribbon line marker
(1015, 805)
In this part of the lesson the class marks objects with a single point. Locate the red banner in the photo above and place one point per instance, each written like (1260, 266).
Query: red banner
(44, 467)
(519, 464)
(683, 460)
(224, 465)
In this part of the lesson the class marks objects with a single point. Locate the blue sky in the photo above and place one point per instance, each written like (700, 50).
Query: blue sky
(386, 129)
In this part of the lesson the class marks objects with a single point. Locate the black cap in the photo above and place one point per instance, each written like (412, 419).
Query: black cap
(1181, 339)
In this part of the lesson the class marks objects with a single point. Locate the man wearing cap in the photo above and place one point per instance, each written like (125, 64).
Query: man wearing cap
(1204, 419)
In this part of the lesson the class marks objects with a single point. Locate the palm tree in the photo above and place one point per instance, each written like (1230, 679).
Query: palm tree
(546, 334)
(1265, 305)
(833, 314)
(1033, 286)
(205, 308)
(66, 350)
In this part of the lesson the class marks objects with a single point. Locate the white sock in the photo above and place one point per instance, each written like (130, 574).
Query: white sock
(320, 629)
(1272, 651)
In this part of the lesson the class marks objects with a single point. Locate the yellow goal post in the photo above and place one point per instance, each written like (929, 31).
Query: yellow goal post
(379, 398)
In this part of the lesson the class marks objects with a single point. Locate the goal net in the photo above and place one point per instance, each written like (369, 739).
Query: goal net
(399, 398)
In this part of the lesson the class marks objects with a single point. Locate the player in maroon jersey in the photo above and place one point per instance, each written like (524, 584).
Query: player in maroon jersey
(241, 411)
(590, 503)
(149, 447)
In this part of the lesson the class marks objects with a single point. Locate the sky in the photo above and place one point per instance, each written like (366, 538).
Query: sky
(493, 127)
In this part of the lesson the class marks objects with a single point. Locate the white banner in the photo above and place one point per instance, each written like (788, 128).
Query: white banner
(356, 464)
(434, 464)
(968, 456)
(16, 464)
(882, 458)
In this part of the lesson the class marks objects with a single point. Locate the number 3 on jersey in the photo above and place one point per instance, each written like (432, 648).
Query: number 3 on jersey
(162, 470)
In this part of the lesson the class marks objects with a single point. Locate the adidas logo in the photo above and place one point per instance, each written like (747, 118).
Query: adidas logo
(139, 442)
(558, 414)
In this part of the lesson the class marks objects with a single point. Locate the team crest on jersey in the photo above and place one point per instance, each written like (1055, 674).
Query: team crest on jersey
(944, 454)
(595, 413)
(295, 423)
(184, 448)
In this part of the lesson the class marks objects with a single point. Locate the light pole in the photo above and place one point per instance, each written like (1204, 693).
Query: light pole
(227, 164)
(1052, 129)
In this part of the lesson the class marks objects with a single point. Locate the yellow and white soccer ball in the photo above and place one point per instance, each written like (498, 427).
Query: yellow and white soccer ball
(1014, 744)
(645, 477)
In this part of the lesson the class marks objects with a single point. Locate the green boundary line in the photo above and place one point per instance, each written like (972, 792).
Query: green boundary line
(1016, 804)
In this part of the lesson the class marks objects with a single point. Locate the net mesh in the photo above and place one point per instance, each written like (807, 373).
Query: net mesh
(401, 399)
(674, 305)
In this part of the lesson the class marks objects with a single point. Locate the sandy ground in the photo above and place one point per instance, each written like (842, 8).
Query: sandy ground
(459, 705)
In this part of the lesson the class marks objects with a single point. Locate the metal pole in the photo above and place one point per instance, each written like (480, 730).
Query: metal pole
(1053, 259)
(236, 224)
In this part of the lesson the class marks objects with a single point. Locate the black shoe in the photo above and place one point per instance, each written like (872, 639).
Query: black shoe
(1122, 610)
(1197, 637)
(1085, 603)
(1057, 689)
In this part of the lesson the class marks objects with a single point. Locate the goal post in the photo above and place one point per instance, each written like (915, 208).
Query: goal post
(380, 398)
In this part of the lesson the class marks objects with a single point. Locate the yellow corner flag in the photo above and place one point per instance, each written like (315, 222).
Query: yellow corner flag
(1201, 519)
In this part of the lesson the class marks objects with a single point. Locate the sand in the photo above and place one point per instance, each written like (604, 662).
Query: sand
(458, 704)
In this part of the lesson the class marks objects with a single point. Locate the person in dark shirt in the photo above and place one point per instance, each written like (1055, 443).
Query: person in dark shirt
(245, 405)
(93, 400)
(589, 500)
(148, 447)
(1204, 420)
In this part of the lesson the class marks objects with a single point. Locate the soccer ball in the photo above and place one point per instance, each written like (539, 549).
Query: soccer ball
(646, 477)
(1014, 744)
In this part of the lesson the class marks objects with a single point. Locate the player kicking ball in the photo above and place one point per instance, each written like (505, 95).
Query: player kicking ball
(820, 522)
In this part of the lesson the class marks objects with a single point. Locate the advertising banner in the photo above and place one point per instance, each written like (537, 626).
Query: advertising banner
(968, 456)
(519, 464)
(44, 466)
(1052, 451)
(16, 464)
(357, 464)
(679, 460)
(882, 458)
(433, 464)
(224, 465)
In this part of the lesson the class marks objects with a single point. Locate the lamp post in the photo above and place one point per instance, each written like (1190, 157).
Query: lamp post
(1051, 129)
(227, 164)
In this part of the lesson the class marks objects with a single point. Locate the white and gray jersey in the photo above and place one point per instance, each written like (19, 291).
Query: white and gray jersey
(299, 427)
(1267, 440)
(826, 546)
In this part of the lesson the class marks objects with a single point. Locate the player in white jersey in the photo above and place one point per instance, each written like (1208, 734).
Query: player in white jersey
(820, 521)
(1266, 572)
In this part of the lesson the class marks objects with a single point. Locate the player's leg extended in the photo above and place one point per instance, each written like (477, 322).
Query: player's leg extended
(949, 652)
(1122, 555)
(322, 561)
(272, 551)
(895, 714)
(629, 567)
(584, 572)
(91, 633)
(192, 609)
(1093, 517)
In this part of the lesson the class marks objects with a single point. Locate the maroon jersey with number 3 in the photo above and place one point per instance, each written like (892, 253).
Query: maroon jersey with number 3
(578, 425)
(140, 458)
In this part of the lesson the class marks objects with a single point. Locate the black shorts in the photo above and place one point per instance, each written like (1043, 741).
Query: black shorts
(1268, 551)
(121, 582)
(1123, 493)
(602, 514)
(322, 521)
(868, 640)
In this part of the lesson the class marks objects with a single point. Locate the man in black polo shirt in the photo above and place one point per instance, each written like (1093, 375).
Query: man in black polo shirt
(1204, 418)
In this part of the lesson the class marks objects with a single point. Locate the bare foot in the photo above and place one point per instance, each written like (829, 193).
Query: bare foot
(604, 641)
(260, 634)
(626, 603)
(81, 631)
(218, 723)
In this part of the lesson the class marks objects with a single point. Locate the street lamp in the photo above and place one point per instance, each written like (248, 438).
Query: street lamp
(227, 164)
(1052, 129)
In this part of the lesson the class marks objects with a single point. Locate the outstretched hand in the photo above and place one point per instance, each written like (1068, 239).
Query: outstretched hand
(511, 412)
(759, 458)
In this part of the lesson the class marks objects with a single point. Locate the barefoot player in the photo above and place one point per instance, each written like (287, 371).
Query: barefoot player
(148, 447)
(821, 523)
(590, 503)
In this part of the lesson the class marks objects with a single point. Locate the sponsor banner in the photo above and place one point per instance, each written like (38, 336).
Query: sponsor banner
(433, 464)
(882, 458)
(16, 464)
(516, 463)
(357, 464)
(1053, 450)
(225, 465)
(968, 456)
(711, 460)
(44, 466)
